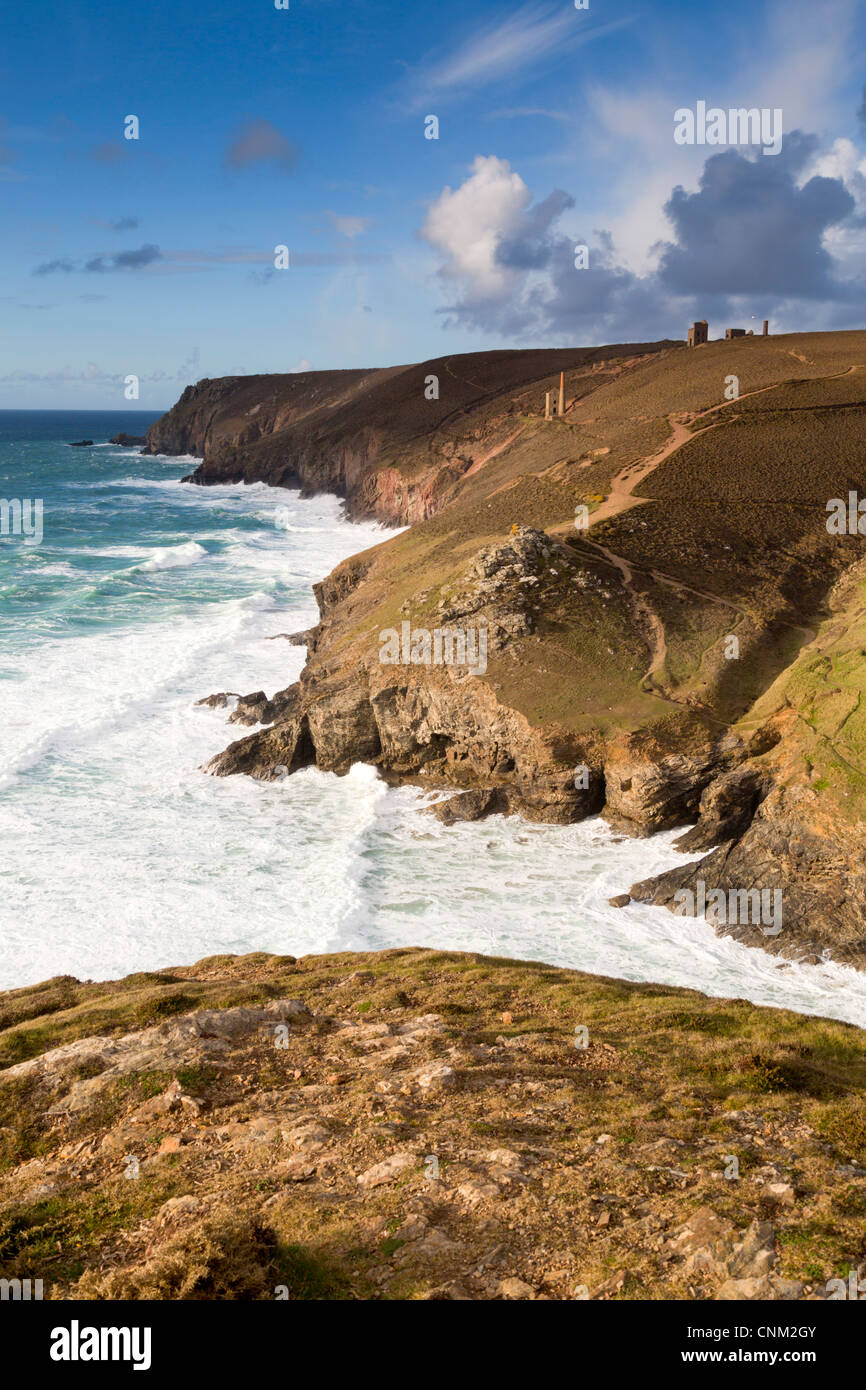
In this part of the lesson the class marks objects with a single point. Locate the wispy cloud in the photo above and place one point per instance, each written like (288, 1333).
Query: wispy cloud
(259, 142)
(234, 255)
(23, 304)
(320, 260)
(505, 49)
(62, 264)
(92, 373)
(112, 152)
(102, 263)
(153, 261)
(514, 112)
(349, 226)
(124, 260)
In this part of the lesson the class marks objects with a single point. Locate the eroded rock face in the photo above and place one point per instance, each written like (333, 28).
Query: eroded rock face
(727, 808)
(771, 835)
(440, 725)
(431, 728)
(372, 437)
(643, 796)
(819, 876)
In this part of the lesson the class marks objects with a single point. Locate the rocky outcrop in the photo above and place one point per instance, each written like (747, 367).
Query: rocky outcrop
(128, 441)
(438, 725)
(647, 789)
(471, 806)
(422, 1124)
(809, 874)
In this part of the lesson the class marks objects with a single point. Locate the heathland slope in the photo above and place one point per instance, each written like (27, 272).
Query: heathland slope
(393, 442)
(666, 614)
(419, 1125)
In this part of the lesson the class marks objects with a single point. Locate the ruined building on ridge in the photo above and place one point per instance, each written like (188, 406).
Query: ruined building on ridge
(699, 332)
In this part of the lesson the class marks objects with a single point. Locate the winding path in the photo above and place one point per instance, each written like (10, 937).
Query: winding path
(621, 499)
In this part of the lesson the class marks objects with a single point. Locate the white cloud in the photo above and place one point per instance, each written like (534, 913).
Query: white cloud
(468, 224)
(513, 112)
(801, 62)
(843, 160)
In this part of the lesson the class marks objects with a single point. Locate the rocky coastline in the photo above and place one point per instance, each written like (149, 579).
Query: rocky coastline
(607, 686)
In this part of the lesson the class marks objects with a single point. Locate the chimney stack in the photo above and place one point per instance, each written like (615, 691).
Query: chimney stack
(562, 393)
(547, 405)
(766, 332)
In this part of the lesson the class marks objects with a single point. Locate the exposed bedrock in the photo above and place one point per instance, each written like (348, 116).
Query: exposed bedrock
(427, 727)
(659, 792)
(812, 880)
(782, 873)
(433, 729)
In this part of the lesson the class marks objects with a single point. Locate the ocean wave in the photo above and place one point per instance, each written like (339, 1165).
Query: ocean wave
(129, 684)
(173, 557)
(170, 458)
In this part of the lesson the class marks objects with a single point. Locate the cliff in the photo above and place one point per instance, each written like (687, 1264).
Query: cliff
(688, 656)
(393, 442)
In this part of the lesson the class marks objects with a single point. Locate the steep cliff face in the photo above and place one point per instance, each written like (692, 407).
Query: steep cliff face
(671, 632)
(792, 814)
(393, 442)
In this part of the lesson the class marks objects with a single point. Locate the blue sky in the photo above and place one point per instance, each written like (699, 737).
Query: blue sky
(305, 127)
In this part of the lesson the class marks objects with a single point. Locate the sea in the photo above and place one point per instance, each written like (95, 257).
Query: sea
(119, 854)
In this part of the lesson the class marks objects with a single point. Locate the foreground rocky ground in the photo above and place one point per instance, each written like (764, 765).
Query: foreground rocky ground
(418, 1125)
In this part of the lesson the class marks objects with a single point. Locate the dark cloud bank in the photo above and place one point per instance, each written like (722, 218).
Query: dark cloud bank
(749, 232)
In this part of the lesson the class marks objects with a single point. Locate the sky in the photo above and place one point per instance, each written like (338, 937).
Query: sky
(308, 128)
